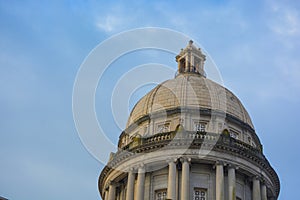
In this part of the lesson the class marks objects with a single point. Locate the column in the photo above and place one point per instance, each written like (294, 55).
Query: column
(106, 195)
(130, 185)
(231, 183)
(185, 179)
(112, 192)
(256, 195)
(264, 192)
(192, 63)
(172, 180)
(219, 181)
(140, 183)
(151, 126)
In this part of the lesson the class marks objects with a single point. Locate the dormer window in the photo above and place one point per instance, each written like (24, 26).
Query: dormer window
(199, 126)
(163, 128)
(234, 134)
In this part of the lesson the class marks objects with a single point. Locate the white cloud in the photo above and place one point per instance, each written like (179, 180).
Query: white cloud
(115, 18)
(109, 23)
(287, 24)
(284, 20)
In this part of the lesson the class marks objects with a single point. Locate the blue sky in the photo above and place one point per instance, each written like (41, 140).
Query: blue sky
(255, 45)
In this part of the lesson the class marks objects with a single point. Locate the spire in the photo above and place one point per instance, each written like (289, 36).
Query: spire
(191, 60)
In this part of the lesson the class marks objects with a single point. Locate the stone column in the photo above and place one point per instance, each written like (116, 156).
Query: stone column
(151, 127)
(264, 192)
(172, 180)
(187, 61)
(140, 183)
(106, 195)
(112, 192)
(130, 185)
(231, 183)
(185, 179)
(256, 195)
(219, 181)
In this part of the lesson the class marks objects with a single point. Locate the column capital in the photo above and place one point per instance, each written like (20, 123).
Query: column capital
(257, 177)
(263, 180)
(141, 168)
(113, 183)
(232, 166)
(141, 165)
(220, 162)
(129, 169)
(185, 159)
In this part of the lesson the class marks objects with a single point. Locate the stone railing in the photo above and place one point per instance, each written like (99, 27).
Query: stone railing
(187, 135)
(188, 139)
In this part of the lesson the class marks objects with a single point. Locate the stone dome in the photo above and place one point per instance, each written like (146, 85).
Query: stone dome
(191, 91)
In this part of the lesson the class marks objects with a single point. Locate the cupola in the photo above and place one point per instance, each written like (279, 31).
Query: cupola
(191, 60)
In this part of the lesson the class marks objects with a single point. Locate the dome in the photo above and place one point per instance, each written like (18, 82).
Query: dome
(193, 91)
(189, 138)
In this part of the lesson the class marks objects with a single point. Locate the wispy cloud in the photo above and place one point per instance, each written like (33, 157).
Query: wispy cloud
(287, 23)
(284, 20)
(115, 18)
(110, 23)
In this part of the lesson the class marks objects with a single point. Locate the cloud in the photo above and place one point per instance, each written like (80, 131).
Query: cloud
(284, 20)
(116, 18)
(287, 24)
(110, 23)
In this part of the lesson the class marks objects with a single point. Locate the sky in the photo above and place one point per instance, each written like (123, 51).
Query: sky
(254, 44)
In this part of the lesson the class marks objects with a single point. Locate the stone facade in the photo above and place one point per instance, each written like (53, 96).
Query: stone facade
(189, 138)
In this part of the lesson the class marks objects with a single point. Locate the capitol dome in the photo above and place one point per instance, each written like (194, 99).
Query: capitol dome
(193, 91)
(189, 138)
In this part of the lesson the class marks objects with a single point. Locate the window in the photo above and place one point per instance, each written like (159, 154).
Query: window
(234, 135)
(162, 128)
(197, 62)
(161, 194)
(249, 140)
(146, 130)
(200, 194)
(198, 126)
